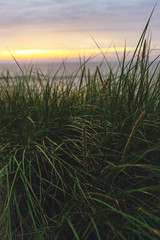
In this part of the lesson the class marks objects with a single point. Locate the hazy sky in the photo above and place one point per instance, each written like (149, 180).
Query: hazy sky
(55, 27)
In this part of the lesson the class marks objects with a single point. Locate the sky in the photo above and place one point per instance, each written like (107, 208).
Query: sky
(49, 29)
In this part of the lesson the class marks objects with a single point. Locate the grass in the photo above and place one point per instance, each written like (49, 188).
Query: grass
(80, 160)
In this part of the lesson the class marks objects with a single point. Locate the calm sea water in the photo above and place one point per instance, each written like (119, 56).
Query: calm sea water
(52, 68)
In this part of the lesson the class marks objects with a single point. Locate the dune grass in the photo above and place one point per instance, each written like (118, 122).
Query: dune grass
(80, 159)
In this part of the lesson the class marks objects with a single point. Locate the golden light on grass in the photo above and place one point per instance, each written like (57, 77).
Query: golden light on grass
(56, 53)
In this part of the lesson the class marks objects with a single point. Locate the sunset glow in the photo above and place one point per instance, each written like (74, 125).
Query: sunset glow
(57, 53)
(47, 29)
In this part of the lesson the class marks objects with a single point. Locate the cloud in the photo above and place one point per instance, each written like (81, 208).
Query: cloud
(74, 15)
(104, 19)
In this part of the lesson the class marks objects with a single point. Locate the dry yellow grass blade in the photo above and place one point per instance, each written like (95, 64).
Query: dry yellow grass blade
(133, 131)
(84, 139)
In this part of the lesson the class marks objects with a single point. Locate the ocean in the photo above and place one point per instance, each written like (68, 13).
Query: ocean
(53, 68)
(58, 69)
